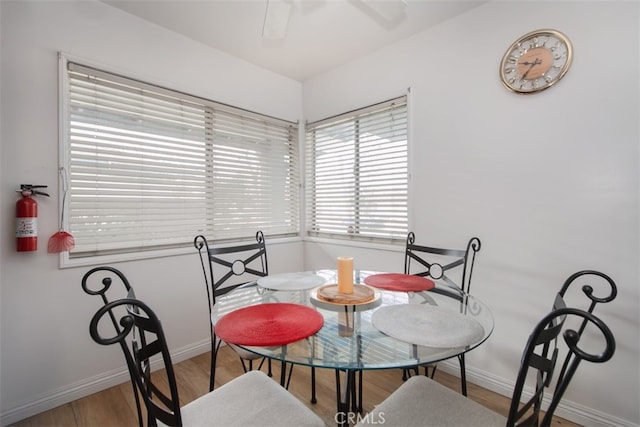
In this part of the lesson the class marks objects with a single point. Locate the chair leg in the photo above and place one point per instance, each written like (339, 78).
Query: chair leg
(137, 396)
(212, 371)
(214, 355)
(313, 385)
(406, 372)
(289, 376)
(433, 371)
(261, 363)
(463, 374)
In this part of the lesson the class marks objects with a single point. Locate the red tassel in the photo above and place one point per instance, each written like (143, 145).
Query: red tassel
(60, 242)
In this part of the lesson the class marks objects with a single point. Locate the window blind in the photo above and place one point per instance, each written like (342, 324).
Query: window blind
(357, 174)
(151, 168)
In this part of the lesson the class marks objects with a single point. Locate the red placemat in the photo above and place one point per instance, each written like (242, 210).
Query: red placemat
(400, 282)
(269, 324)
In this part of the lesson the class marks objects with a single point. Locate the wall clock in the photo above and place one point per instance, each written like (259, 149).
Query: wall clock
(536, 61)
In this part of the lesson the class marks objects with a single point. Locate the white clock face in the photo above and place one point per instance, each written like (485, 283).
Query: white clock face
(536, 61)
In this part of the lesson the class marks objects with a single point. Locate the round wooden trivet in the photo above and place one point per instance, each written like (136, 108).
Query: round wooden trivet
(361, 294)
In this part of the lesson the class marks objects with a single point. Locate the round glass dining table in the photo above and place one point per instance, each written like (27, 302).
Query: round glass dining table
(385, 332)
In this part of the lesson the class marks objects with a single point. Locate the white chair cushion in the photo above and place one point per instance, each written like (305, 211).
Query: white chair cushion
(252, 399)
(421, 401)
(244, 354)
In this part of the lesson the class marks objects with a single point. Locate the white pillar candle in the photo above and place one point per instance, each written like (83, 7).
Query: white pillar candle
(345, 275)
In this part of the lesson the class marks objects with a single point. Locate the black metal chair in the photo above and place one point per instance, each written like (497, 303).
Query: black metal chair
(249, 399)
(221, 266)
(439, 264)
(98, 281)
(421, 401)
(254, 265)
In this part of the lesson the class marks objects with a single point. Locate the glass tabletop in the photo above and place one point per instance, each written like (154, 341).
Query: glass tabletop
(351, 336)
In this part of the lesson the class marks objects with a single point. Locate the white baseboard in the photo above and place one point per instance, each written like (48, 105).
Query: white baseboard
(88, 386)
(568, 410)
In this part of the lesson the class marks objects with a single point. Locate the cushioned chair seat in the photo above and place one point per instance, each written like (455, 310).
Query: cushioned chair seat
(253, 399)
(421, 401)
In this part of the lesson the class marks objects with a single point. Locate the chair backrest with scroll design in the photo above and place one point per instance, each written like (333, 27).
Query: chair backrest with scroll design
(540, 358)
(141, 325)
(437, 263)
(590, 280)
(98, 281)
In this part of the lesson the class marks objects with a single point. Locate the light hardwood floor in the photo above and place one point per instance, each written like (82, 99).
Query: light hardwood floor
(116, 407)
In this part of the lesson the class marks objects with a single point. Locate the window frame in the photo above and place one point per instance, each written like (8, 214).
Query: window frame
(356, 239)
(68, 260)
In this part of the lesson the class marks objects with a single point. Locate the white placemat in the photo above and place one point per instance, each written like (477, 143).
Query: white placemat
(291, 281)
(427, 325)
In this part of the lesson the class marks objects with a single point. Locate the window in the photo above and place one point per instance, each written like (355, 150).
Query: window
(150, 168)
(357, 174)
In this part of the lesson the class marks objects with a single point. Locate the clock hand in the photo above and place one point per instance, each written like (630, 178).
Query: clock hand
(524, 76)
(538, 61)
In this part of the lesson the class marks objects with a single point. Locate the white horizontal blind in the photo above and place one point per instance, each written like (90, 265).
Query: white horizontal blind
(255, 177)
(357, 174)
(151, 168)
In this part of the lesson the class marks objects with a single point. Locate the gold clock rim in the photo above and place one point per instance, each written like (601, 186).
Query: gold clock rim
(545, 31)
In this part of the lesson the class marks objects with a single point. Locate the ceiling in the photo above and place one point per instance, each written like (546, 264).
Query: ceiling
(320, 34)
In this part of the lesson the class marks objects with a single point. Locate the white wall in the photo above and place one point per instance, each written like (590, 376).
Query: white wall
(47, 356)
(549, 182)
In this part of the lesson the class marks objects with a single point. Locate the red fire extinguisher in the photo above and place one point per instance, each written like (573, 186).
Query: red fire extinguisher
(27, 218)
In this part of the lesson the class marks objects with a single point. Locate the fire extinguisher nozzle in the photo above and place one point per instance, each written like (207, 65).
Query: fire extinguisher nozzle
(30, 188)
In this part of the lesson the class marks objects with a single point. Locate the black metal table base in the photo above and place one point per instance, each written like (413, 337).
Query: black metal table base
(349, 397)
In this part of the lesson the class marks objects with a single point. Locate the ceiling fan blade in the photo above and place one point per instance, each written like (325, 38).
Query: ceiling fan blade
(276, 19)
